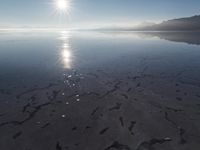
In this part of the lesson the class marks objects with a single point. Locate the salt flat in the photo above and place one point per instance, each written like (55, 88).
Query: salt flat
(99, 91)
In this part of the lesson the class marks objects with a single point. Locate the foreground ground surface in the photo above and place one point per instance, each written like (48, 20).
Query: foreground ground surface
(98, 91)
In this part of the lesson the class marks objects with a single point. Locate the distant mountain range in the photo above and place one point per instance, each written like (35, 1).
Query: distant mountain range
(181, 24)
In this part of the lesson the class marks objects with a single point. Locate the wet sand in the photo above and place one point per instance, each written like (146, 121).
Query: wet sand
(137, 101)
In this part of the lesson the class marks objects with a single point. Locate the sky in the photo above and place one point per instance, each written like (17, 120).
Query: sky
(91, 13)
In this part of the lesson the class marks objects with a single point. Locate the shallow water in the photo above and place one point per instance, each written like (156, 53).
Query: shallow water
(99, 90)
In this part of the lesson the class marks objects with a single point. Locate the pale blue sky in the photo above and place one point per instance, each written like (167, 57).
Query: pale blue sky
(94, 12)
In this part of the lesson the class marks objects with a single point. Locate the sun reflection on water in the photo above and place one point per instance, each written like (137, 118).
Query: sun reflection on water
(66, 51)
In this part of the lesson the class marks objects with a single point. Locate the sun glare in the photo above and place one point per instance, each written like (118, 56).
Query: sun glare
(63, 5)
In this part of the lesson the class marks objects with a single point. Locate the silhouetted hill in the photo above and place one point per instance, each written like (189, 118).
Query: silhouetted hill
(182, 24)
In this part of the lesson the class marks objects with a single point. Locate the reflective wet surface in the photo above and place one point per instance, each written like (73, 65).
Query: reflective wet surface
(99, 91)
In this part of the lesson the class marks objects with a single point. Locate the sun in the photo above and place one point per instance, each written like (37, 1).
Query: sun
(63, 5)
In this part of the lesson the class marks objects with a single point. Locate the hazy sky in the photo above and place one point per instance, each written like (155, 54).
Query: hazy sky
(93, 12)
